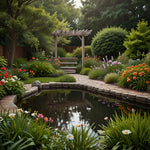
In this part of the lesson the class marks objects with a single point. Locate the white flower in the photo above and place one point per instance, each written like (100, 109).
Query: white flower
(26, 112)
(106, 118)
(33, 114)
(12, 115)
(70, 137)
(15, 77)
(12, 79)
(3, 80)
(19, 110)
(126, 132)
(1, 119)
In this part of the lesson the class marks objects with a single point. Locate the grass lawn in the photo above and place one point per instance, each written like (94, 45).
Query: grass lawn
(42, 79)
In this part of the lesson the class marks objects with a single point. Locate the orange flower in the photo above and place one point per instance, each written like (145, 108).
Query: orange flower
(134, 73)
(140, 65)
(144, 63)
(146, 69)
(134, 78)
(140, 74)
(147, 82)
(128, 79)
(132, 66)
(128, 68)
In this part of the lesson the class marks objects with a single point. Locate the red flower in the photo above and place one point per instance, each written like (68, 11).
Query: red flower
(24, 70)
(10, 75)
(33, 58)
(1, 83)
(6, 75)
(19, 70)
(3, 68)
(0, 74)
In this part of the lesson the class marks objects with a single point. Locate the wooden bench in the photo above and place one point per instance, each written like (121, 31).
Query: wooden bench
(68, 64)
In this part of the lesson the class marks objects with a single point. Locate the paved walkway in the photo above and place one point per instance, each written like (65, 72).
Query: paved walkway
(8, 101)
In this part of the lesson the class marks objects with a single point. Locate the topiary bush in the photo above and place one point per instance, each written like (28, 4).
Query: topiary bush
(61, 52)
(97, 74)
(111, 78)
(3, 61)
(41, 69)
(109, 42)
(138, 41)
(78, 51)
(85, 71)
(67, 78)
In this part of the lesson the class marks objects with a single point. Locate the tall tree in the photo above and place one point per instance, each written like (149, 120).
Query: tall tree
(18, 18)
(98, 14)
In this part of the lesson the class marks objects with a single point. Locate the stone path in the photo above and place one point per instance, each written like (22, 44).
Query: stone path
(82, 82)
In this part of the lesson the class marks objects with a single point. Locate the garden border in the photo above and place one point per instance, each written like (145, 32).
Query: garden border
(8, 102)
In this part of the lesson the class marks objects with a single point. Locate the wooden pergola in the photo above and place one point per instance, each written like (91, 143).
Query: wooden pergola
(80, 33)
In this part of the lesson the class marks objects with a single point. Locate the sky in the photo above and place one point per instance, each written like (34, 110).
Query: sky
(78, 3)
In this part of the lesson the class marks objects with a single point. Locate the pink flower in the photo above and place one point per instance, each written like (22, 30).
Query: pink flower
(45, 119)
(51, 120)
(40, 116)
(106, 118)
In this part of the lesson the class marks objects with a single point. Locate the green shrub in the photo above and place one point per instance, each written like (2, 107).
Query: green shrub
(78, 52)
(58, 73)
(137, 42)
(126, 132)
(67, 78)
(92, 62)
(3, 61)
(123, 58)
(147, 59)
(41, 69)
(135, 62)
(111, 78)
(136, 77)
(109, 42)
(21, 73)
(68, 54)
(12, 86)
(19, 62)
(97, 74)
(85, 71)
(2, 92)
(79, 68)
(61, 52)
(39, 56)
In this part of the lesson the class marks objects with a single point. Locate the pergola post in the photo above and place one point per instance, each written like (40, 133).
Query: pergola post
(83, 52)
(55, 46)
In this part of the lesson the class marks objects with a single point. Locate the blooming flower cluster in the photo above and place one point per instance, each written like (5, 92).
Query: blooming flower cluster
(54, 62)
(137, 75)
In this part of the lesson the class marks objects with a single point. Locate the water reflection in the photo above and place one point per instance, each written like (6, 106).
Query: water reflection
(68, 107)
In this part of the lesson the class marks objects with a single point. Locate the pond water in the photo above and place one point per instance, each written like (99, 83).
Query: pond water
(73, 107)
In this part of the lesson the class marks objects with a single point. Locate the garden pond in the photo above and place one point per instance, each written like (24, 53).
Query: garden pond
(73, 107)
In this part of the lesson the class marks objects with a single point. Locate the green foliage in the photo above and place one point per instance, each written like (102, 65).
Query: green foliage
(21, 73)
(58, 73)
(138, 41)
(112, 136)
(147, 59)
(3, 61)
(61, 52)
(109, 42)
(2, 92)
(97, 74)
(85, 71)
(67, 78)
(68, 54)
(19, 62)
(79, 68)
(39, 55)
(90, 62)
(111, 78)
(78, 52)
(41, 69)
(135, 62)
(123, 58)
(136, 77)
(84, 138)
(12, 86)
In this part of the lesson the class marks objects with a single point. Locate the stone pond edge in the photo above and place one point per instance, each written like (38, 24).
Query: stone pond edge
(8, 102)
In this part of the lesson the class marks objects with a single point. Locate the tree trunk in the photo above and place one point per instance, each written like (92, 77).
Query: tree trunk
(12, 53)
